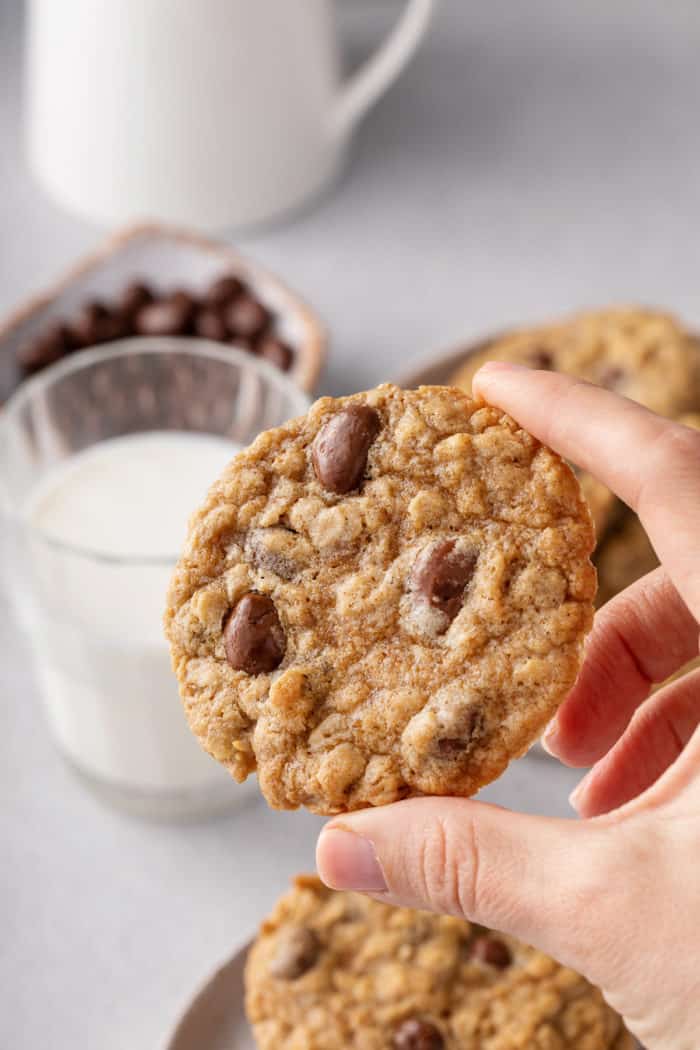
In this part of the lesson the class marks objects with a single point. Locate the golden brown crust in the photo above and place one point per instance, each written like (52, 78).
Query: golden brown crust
(625, 556)
(381, 694)
(331, 970)
(626, 553)
(646, 355)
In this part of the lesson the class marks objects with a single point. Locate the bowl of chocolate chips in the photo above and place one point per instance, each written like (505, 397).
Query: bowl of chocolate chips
(152, 281)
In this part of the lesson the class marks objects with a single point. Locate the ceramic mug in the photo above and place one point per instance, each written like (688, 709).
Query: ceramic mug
(218, 113)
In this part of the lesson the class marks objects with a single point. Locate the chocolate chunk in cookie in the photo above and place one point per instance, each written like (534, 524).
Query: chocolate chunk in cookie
(492, 951)
(298, 948)
(440, 576)
(541, 358)
(416, 1034)
(253, 636)
(339, 453)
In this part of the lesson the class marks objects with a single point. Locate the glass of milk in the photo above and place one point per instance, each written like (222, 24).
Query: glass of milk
(102, 459)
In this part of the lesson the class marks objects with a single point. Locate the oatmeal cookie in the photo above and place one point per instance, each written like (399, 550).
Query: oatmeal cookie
(645, 355)
(625, 555)
(690, 419)
(386, 597)
(331, 970)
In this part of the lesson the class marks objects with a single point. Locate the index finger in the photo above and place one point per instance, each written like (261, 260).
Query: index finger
(651, 463)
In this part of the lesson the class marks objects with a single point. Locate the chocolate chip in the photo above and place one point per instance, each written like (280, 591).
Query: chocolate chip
(440, 575)
(240, 343)
(114, 327)
(223, 291)
(540, 358)
(253, 636)
(449, 746)
(93, 312)
(97, 324)
(272, 550)
(169, 316)
(276, 352)
(296, 952)
(339, 453)
(246, 317)
(210, 325)
(415, 1034)
(460, 729)
(610, 378)
(49, 346)
(134, 297)
(491, 951)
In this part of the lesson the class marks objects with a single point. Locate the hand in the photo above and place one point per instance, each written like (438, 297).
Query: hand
(616, 895)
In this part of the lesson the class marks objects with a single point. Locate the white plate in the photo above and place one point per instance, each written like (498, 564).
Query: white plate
(215, 1019)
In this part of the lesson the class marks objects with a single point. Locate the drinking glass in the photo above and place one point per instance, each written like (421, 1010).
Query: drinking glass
(93, 611)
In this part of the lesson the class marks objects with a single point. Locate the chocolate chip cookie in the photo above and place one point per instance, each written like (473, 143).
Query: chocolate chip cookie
(387, 597)
(331, 970)
(626, 553)
(625, 556)
(645, 355)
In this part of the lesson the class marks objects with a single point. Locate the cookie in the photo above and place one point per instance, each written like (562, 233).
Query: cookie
(331, 970)
(645, 355)
(604, 505)
(626, 553)
(625, 556)
(386, 597)
(690, 419)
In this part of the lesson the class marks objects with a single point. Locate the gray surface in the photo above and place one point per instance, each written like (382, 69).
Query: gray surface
(537, 156)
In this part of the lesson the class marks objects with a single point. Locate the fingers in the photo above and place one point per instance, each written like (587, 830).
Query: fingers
(657, 735)
(652, 463)
(471, 859)
(640, 637)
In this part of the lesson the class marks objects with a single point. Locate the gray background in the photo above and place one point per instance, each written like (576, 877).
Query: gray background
(535, 157)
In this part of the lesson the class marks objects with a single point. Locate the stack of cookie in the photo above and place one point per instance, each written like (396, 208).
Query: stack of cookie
(332, 970)
(643, 354)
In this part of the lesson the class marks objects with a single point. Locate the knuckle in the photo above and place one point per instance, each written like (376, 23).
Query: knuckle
(598, 885)
(444, 869)
(674, 452)
(680, 444)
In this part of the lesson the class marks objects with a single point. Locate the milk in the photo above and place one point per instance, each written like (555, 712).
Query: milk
(106, 527)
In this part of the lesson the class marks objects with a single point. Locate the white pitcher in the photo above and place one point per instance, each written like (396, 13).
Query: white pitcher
(217, 113)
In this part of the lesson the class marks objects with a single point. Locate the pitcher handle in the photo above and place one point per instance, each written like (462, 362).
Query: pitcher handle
(372, 79)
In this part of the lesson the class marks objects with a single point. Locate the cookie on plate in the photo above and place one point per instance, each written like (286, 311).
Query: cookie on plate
(386, 597)
(331, 970)
(625, 555)
(646, 355)
(690, 419)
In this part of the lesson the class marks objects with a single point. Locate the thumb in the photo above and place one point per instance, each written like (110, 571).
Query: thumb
(547, 882)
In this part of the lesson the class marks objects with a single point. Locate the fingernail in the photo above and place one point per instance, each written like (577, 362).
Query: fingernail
(575, 796)
(503, 366)
(549, 737)
(347, 861)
